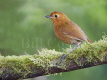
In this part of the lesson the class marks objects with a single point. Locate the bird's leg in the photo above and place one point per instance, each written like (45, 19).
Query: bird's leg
(64, 55)
(61, 59)
(75, 47)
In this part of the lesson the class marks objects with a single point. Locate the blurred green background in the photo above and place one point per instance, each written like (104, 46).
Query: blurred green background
(24, 29)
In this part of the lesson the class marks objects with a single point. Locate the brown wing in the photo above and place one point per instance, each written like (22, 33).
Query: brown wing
(73, 30)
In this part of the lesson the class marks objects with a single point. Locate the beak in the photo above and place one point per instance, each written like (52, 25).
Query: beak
(48, 16)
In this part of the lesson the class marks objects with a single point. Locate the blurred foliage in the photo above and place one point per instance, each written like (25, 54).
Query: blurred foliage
(24, 29)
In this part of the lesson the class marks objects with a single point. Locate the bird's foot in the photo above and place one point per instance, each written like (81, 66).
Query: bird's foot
(61, 59)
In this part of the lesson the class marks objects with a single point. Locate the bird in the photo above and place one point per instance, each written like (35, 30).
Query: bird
(67, 31)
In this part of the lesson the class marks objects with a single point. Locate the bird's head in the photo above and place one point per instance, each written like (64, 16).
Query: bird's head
(57, 17)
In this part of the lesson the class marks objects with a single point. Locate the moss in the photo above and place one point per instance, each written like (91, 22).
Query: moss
(26, 64)
(92, 52)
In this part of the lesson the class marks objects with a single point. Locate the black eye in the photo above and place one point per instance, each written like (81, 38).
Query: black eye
(56, 16)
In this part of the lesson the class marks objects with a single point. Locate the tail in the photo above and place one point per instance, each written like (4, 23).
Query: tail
(89, 41)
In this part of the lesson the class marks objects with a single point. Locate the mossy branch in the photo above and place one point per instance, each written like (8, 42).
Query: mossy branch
(29, 66)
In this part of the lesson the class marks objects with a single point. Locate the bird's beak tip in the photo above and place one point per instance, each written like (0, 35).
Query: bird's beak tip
(48, 16)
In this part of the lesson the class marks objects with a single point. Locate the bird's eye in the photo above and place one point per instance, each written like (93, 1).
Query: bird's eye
(56, 16)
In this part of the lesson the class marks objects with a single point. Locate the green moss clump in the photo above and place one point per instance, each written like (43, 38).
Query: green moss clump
(92, 52)
(24, 65)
